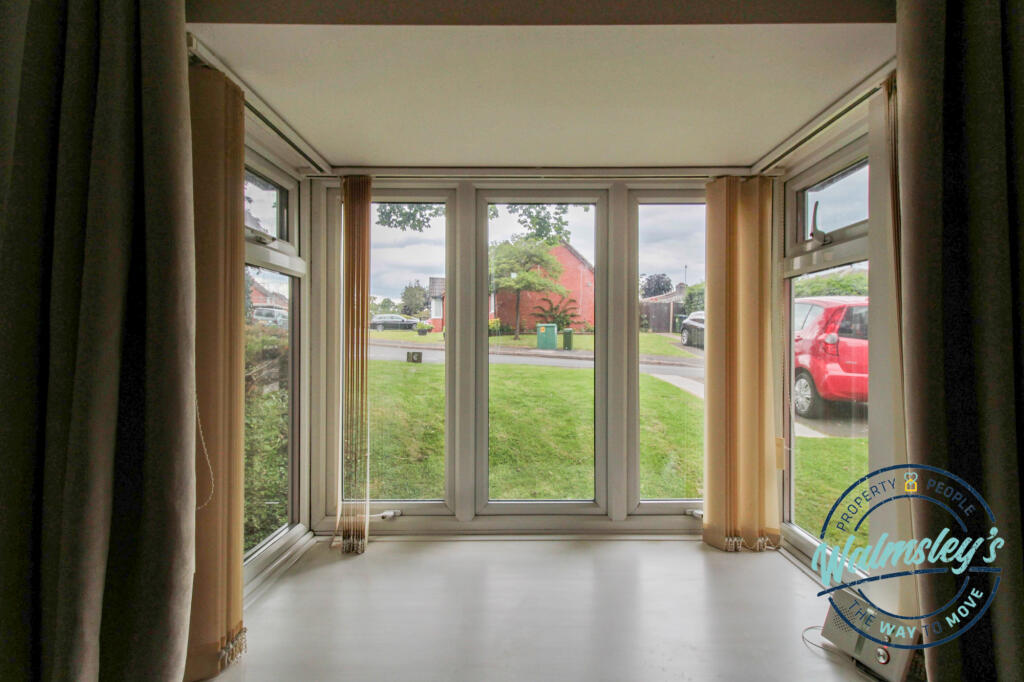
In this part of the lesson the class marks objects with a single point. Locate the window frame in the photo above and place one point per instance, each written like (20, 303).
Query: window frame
(796, 184)
(599, 504)
(283, 256)
(636, 505)
(862, 137)
(467, 302)
(259, 165)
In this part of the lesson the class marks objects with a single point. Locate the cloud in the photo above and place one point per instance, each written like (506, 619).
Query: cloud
(671, 240)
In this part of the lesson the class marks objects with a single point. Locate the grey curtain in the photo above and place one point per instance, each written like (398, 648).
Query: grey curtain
(961, 140)
(97, 486)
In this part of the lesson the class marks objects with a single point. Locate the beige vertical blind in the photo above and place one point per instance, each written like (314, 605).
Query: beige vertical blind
(352, 524)
(741, 506)
(216, 634)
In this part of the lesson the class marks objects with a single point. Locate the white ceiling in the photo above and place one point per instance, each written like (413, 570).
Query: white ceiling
(548, 95)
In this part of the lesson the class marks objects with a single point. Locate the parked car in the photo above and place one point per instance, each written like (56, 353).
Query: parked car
(382, 322)
(830, 352)
(692, 332)
(270, 315)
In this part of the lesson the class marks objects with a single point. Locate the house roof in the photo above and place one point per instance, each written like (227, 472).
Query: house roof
(579, 256)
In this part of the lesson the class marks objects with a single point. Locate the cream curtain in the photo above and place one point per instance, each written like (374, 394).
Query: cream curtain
(216, 634)
(352, 526)
(741, 506)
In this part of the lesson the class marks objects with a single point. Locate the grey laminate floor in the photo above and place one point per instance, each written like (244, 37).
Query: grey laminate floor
(528, 610)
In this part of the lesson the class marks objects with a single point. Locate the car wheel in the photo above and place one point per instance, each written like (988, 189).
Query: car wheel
(684, 337)
(380, 327)
(806, 400)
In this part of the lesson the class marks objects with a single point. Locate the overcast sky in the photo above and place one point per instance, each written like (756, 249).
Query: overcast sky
(397, 257)
(671, 237)
(671, 241)
(841, 203)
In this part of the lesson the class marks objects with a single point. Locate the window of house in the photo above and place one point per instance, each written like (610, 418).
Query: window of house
(273, 281)
(827, 354)
(266, 206)
(406, 394)
(829, 394)
(541, 351)
(268, 402)
(670, 345)
(836, 202)
(827, 203)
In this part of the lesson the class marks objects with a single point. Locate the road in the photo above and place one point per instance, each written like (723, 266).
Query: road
(437, 356)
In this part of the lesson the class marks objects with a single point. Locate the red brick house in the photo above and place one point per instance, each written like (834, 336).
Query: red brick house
(259, 295)
(578, 279)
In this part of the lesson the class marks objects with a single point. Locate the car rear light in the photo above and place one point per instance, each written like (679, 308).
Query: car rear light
(830, 342)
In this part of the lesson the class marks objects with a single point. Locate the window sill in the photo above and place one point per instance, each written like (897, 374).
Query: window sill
(272, 559)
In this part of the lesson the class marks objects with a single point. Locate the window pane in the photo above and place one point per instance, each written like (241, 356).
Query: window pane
(841, 200)
(407, 315)
(265, 205)
(671, 347)
(829, 393)
(541, 400)
(268, 396)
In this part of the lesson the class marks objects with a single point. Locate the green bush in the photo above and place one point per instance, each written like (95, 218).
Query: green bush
(849, 283)
(267, 431)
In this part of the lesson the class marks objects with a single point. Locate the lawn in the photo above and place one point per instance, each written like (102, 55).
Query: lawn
(650, 344)
(822, 469)
(542, 434)
(671, 441)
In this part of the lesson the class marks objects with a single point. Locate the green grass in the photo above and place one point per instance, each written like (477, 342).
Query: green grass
(650, 344)
(406, 404)
(822, 469)
(542, 440)
(541, 434)
(671, 441)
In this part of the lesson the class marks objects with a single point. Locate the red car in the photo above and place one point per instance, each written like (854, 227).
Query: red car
(830, 351)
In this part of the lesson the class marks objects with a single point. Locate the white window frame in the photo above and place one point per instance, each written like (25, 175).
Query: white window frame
(599, 503)
(466, 508)
(636, 504)
(285, 257)
(862, 137)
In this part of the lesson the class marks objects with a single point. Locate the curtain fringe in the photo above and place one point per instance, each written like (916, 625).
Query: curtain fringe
(233, 650)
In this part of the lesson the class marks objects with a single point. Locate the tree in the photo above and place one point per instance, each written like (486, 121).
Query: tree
(562, 313)
(694, 300)
(522, 264)
(414, 298)
(546, 222)
(655, 285)
(415, 217)
(381, 306)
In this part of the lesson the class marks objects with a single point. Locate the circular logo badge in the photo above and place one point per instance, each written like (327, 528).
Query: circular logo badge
(849, 559)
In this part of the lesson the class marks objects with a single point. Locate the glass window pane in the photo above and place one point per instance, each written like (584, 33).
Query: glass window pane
(671, 349)
(268, 401)
(829, 393)
(265, 204)
(407, 315)
(541, 399)
(837, 202)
